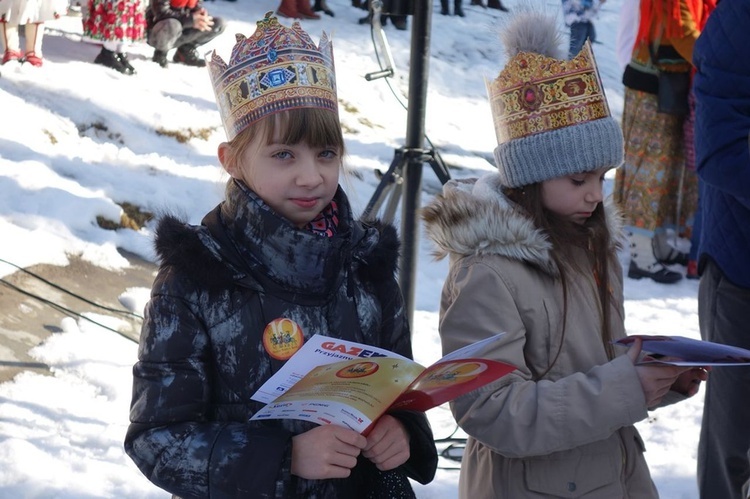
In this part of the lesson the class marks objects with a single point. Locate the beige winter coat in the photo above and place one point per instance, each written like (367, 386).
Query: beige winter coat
(569, 434)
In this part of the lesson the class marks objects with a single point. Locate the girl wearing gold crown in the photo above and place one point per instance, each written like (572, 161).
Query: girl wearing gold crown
(281, 257)
(532, 253)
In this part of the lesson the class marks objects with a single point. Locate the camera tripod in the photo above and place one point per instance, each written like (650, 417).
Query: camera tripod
(404, 176)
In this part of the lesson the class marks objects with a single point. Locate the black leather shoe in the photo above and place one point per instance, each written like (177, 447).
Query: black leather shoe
(659, 273)
(399, 23)
(160, 58)
(365, 20)
(129, 69)
(109, 59)
(187, 55)
(497, 4)
(322, 6)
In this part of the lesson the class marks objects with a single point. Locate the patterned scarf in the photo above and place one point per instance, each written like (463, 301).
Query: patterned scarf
(327, 222)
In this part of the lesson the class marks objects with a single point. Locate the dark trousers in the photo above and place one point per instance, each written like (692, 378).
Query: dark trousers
(724, 313)
(168, 34)
(579, 33)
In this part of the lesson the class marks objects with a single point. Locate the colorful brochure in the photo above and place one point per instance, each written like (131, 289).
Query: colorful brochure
(354, 393)
(681, 351)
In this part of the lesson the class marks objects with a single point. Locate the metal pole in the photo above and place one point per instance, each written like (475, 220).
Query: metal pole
(418, 73)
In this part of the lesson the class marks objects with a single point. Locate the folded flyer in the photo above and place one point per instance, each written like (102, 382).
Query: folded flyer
(682, 351)
(355, 393)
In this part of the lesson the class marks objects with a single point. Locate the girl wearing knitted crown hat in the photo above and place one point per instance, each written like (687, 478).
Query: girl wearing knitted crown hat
(532, 254)
(280, 259)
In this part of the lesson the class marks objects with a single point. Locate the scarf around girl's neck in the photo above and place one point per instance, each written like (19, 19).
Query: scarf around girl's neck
(325, 224)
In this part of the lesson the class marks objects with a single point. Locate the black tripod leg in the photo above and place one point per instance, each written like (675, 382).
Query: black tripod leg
(439, 167)
(390, 185)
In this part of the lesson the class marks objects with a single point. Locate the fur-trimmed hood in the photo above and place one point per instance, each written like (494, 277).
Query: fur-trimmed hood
(473, 216)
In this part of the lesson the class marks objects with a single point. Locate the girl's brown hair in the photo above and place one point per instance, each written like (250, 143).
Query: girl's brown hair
(593, 236)
(313, 126)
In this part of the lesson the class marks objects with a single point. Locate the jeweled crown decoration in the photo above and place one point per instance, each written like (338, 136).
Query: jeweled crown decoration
(276, 69)
(535, 93)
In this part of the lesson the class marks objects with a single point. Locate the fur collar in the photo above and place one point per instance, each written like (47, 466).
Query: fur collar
(192, 250)
(473, 217)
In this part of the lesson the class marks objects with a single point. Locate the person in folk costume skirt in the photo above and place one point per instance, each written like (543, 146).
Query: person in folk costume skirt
(282, 254)
(652, 189)
(31, 14)
(116, 24)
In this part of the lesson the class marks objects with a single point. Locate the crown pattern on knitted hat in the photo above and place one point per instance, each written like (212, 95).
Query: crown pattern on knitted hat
(274, 70)
(551, 115)
(535, 94)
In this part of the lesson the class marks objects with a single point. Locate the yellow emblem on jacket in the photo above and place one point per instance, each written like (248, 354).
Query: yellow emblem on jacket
(282, 338)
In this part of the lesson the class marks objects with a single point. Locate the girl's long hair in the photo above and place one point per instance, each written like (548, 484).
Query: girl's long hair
(594, 237)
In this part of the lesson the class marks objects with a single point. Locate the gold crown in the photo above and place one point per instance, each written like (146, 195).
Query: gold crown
(276, 69)
(535, 94)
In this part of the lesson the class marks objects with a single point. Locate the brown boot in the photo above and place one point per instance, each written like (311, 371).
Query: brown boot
(305, 11)
(288, 8)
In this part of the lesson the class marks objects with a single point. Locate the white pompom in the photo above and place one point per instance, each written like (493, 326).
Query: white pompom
(532, 30)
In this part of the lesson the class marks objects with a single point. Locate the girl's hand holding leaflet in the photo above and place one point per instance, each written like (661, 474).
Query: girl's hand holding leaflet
(656, 379)
(689, 382)
(387, 444)
(326, 451)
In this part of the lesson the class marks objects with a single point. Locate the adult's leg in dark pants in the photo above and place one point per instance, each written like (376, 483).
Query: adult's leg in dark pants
(579, 33)
(164, 35)
(724, 312)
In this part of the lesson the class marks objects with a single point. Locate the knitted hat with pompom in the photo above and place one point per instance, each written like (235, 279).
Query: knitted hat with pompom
(550, 114)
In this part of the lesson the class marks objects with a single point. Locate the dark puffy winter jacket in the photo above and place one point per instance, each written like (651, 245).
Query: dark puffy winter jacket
(159, 10)
(201, 354)
(722, 129)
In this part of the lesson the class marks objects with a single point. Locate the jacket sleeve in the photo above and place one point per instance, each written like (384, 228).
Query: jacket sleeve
(423, 459)
(685, 43)
(517, 416)
(722, 91)
(171, 437)
(162, 9)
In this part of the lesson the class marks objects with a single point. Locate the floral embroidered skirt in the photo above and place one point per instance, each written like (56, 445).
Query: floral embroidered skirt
(114, 21)
(653, 188)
